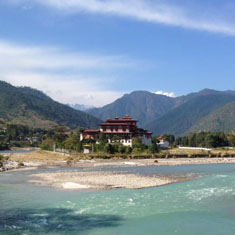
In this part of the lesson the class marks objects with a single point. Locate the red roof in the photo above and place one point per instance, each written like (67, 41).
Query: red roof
(124, 122)
(126, 118)
(117, 132)
(120, 121)
(115, 124)
(91, 131)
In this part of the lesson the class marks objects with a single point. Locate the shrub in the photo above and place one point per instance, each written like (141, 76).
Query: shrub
(20, 164)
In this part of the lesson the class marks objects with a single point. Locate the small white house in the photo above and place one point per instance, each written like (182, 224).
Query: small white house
(163, 144)
(86, 149)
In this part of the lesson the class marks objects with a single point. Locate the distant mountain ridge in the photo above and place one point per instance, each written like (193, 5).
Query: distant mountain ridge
(27, 106)
(167, 115)
(81, 107)
(206, 110)
(180, 120)
(222, 119)
(142, 105)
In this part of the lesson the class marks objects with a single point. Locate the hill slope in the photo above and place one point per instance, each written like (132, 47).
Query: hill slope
(179, 120)
(27, 106)
(142, 105)
(222, 119)
(162, 114)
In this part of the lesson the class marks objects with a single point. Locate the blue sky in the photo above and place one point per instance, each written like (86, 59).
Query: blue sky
(94, 51)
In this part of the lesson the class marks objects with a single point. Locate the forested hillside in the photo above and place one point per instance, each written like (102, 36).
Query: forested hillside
(189, 115)
(27, 106)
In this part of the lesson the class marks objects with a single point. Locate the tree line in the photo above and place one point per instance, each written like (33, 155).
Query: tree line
(13, 135)
(203, 139)
(71, 142)
(62, 137)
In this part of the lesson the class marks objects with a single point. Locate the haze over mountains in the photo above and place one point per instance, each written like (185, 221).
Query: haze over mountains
(81, 107)
(181, 115)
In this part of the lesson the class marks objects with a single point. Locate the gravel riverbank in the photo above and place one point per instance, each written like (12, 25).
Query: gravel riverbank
(99, 180)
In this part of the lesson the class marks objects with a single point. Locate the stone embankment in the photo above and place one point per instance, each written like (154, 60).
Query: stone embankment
(6, 165)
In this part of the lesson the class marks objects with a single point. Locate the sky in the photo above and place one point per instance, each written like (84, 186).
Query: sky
(93, 51)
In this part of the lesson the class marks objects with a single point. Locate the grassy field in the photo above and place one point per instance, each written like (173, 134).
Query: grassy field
(47, 157)
(221, 151)
(39, 156)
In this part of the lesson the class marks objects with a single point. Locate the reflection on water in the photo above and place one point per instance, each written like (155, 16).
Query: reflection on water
(18, 151)
(52, 220)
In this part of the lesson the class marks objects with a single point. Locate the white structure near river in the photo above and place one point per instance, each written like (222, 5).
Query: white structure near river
(122, 130)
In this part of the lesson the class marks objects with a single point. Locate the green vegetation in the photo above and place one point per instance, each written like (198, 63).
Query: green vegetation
(141, 105)
(20, 136)
(69, 141)
(63, 139)
(30, 107)
(222, 119)
(207, 139)
(190, 114)
(207, 110)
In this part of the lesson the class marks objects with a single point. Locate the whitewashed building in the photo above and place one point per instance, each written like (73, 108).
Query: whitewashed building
(122, 130)
(163, 144)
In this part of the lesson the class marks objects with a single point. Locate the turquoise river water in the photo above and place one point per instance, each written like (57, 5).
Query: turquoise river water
(205, 205)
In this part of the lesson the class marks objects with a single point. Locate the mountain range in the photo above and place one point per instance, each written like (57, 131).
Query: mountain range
(27, 106)
(206, 110)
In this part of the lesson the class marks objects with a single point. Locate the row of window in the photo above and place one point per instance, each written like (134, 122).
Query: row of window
(125, 141)
(115, 130)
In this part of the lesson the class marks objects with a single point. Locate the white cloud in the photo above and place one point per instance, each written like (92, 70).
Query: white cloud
(67, 77)
(170, 94)
(163, 12)
(49, 58)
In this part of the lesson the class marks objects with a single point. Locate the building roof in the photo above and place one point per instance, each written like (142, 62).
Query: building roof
(126, 118)
(161, 138)
(117, 132)
(143, 131)
(91, 131)
(115, 124)
(125, 122)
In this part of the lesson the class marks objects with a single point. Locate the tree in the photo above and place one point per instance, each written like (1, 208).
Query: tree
(170, 139)
(211, 140)
(136, 143)
(4, 146)
(102, 138)
(48, 144)
(192, 140)
(121, 148)
(108, 148)
(231, 140)
(178, 141)
(184, 141)
(72, 143)
(128, 150)
(153, 148)
(200, 139)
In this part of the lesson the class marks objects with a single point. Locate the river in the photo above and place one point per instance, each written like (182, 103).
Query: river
(204, 205)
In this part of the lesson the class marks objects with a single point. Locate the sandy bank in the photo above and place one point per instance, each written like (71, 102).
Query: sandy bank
(185, 161)
(44, 159)
(99, 180)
